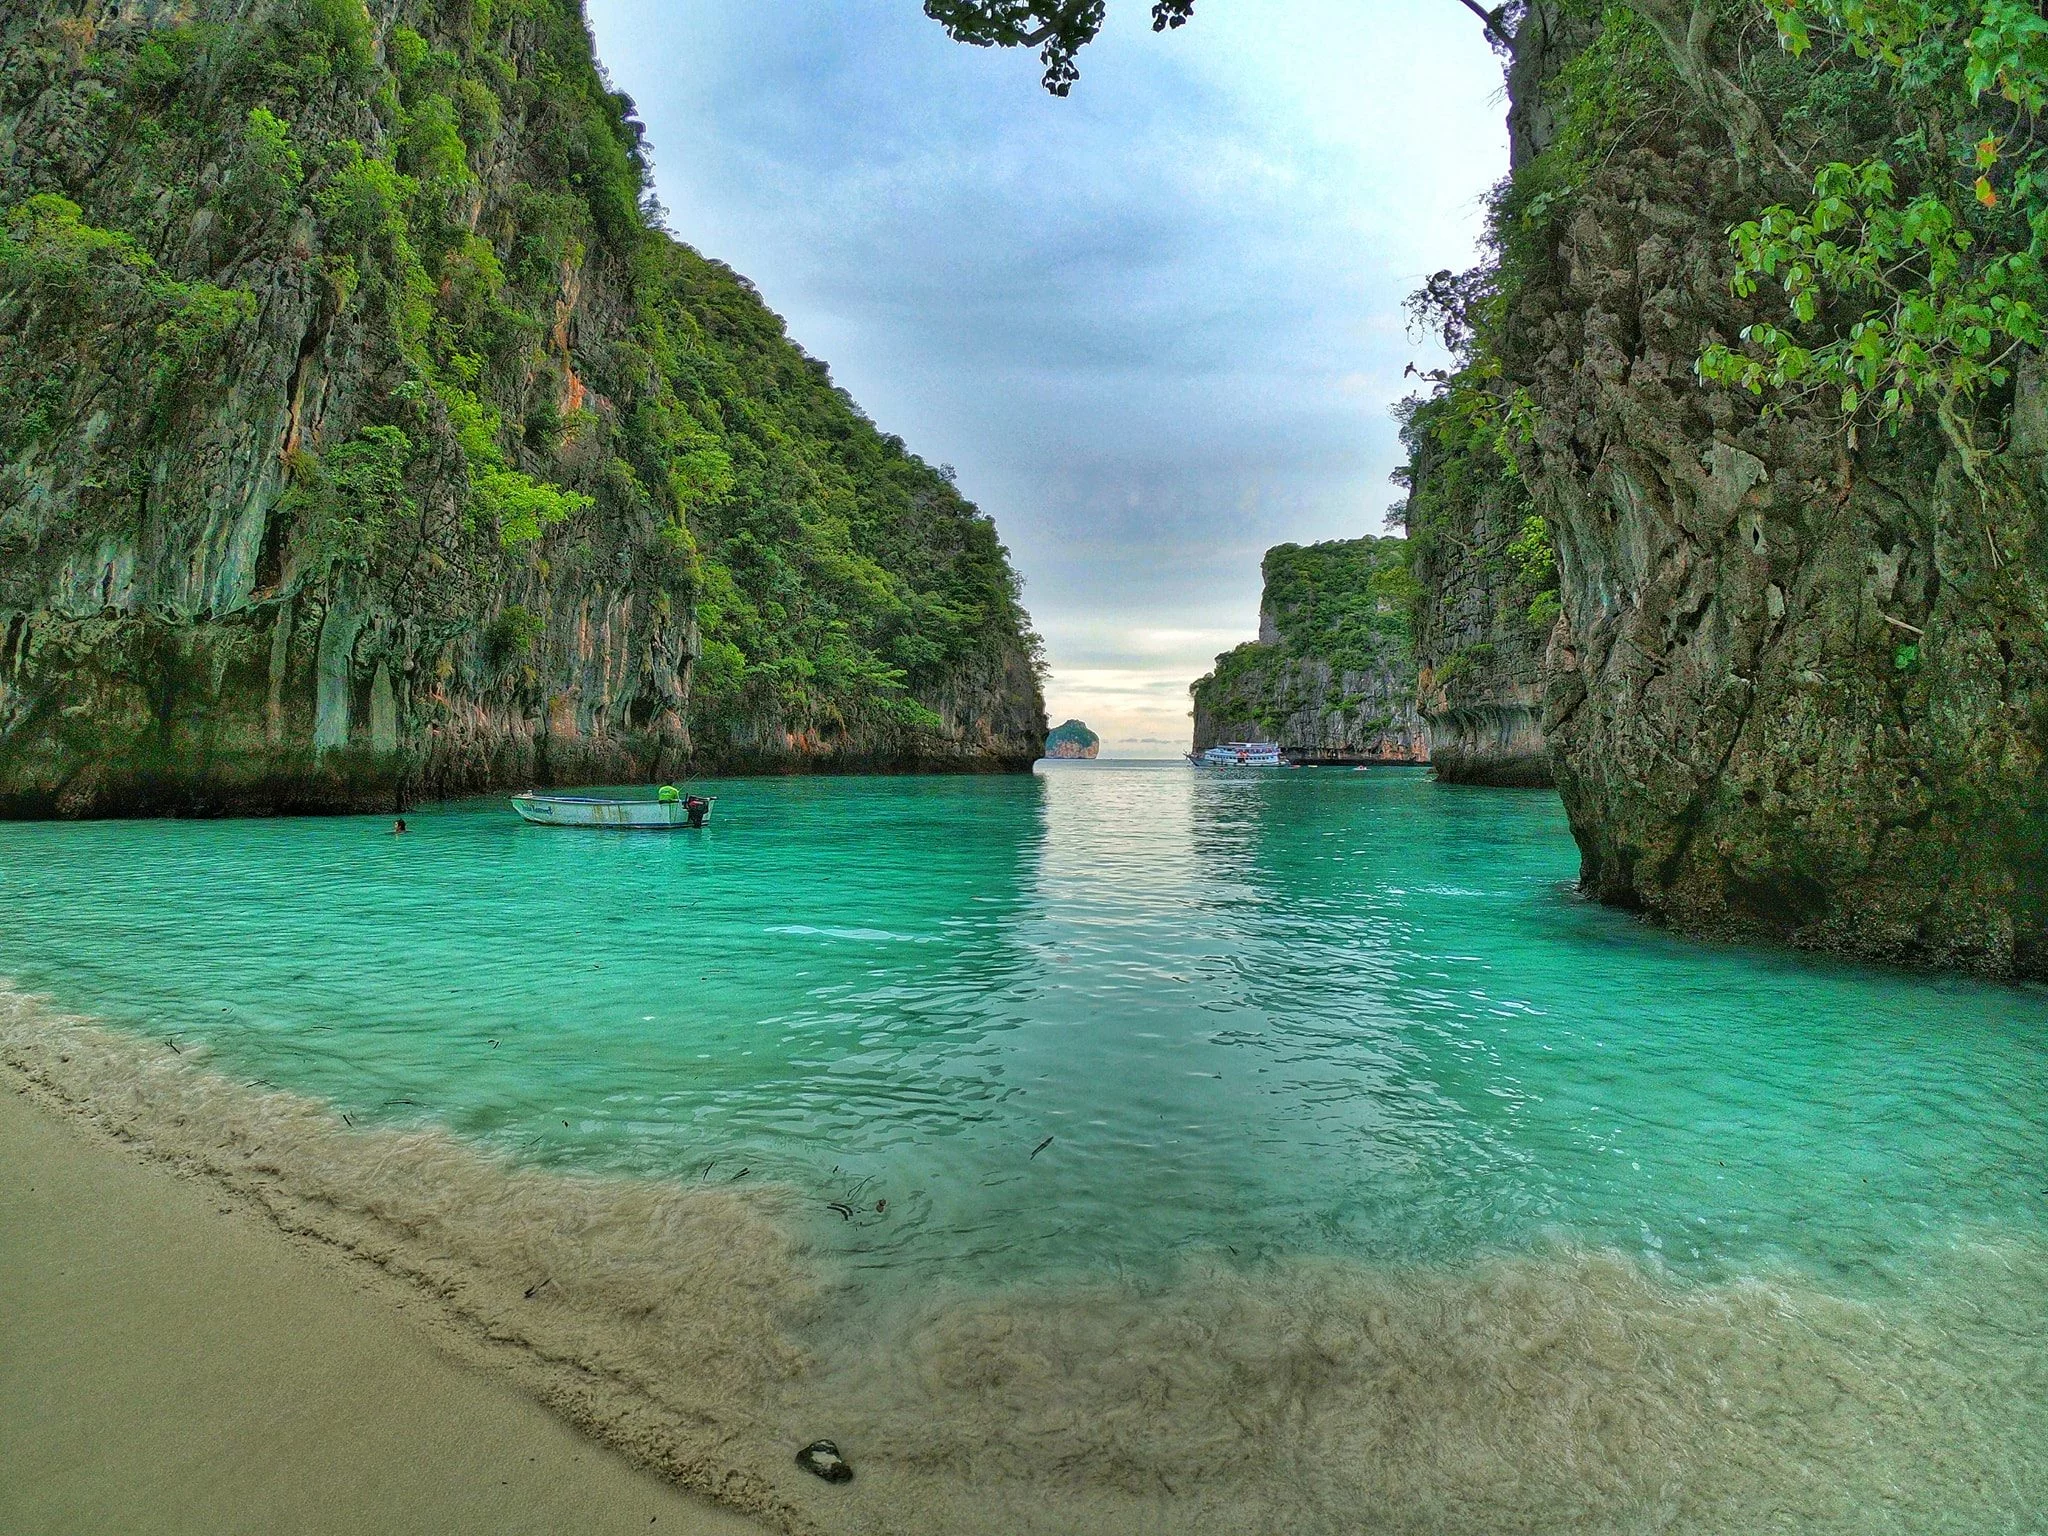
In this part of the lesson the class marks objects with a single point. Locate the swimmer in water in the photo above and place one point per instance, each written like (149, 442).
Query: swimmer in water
(398, 827)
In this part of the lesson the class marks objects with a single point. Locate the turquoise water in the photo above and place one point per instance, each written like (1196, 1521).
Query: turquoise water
(1317, 1012)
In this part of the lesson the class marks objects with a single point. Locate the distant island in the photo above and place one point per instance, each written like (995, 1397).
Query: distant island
(1072, 739)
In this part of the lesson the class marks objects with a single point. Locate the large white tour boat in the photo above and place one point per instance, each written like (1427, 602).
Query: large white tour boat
(1240, 754)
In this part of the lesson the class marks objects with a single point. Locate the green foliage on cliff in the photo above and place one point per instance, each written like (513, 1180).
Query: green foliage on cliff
(1534, 561)
(1237, 687)
(80, 277)
(347, 499)
(1459, 459)
(535, 369)
(1345, 603)
(828, 558)
(1465, 439)
(1915, 277)
(513, 634)
(1070, 736)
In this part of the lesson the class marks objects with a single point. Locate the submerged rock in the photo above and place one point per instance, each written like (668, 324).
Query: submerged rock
(821, 1458)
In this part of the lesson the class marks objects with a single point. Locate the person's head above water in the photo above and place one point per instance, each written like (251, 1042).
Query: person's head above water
(398, 826)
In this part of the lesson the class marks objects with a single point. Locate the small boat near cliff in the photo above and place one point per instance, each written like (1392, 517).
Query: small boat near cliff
(667, 810)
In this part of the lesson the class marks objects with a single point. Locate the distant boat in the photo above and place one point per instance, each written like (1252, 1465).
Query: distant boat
(667, 810)
(1240, 754)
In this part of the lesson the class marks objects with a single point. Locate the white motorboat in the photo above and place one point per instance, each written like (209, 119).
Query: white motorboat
(667, 810)
(1240, 754)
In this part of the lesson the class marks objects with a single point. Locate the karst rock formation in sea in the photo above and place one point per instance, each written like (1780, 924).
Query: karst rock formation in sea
(1797, 683)
(364, 437)
(1072, 738)
(1485, 596)
(1331, 677)
(361, 437)
(1779, 635)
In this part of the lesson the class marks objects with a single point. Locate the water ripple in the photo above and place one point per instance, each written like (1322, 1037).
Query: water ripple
(1298, 1013)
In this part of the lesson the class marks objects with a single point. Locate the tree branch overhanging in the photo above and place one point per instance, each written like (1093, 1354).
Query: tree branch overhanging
(1060, 29)
(1495, 21)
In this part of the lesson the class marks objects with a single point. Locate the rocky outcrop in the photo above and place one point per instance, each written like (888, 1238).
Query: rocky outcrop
(1480, 620)
(1314, 711)
(362, 439)
(1331, 677)
(1072, 739)
(1799, 687)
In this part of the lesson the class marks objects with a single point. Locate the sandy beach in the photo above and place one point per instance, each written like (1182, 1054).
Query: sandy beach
(171, 1363)
(224, 1307)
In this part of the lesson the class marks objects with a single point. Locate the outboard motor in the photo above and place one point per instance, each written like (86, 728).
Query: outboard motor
(695, 808)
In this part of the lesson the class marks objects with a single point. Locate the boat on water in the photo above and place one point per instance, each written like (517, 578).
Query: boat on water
(1240, 754)
(669, 808)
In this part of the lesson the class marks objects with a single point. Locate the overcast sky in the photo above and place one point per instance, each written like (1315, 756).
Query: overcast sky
(1156, 326)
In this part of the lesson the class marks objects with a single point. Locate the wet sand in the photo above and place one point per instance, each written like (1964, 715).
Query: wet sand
(169, 1365)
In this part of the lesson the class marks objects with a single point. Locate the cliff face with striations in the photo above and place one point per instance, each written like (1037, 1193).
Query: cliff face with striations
(1800, 683)
(1331, 676)
(361, 438)
(1486, 596)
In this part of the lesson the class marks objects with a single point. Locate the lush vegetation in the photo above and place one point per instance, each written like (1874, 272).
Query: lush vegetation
(1344, 603)
(1910, 285)
(1464, 436)
(1913, 280)
(1070, 736)
(827, 559)
(76, 274)
(542, 374)
(1461, 477)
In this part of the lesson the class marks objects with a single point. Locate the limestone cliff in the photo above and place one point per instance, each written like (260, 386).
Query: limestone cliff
(1331, 677)
(1486, 596)
(362, 437)
(1799, 686)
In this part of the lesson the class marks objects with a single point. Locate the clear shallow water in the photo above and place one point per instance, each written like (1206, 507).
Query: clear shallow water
(1261, 1015)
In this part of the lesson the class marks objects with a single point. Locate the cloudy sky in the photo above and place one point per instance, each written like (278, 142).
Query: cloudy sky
(1156, 326)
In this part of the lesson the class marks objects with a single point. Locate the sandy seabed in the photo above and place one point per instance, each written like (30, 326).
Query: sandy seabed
(696, 1330)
